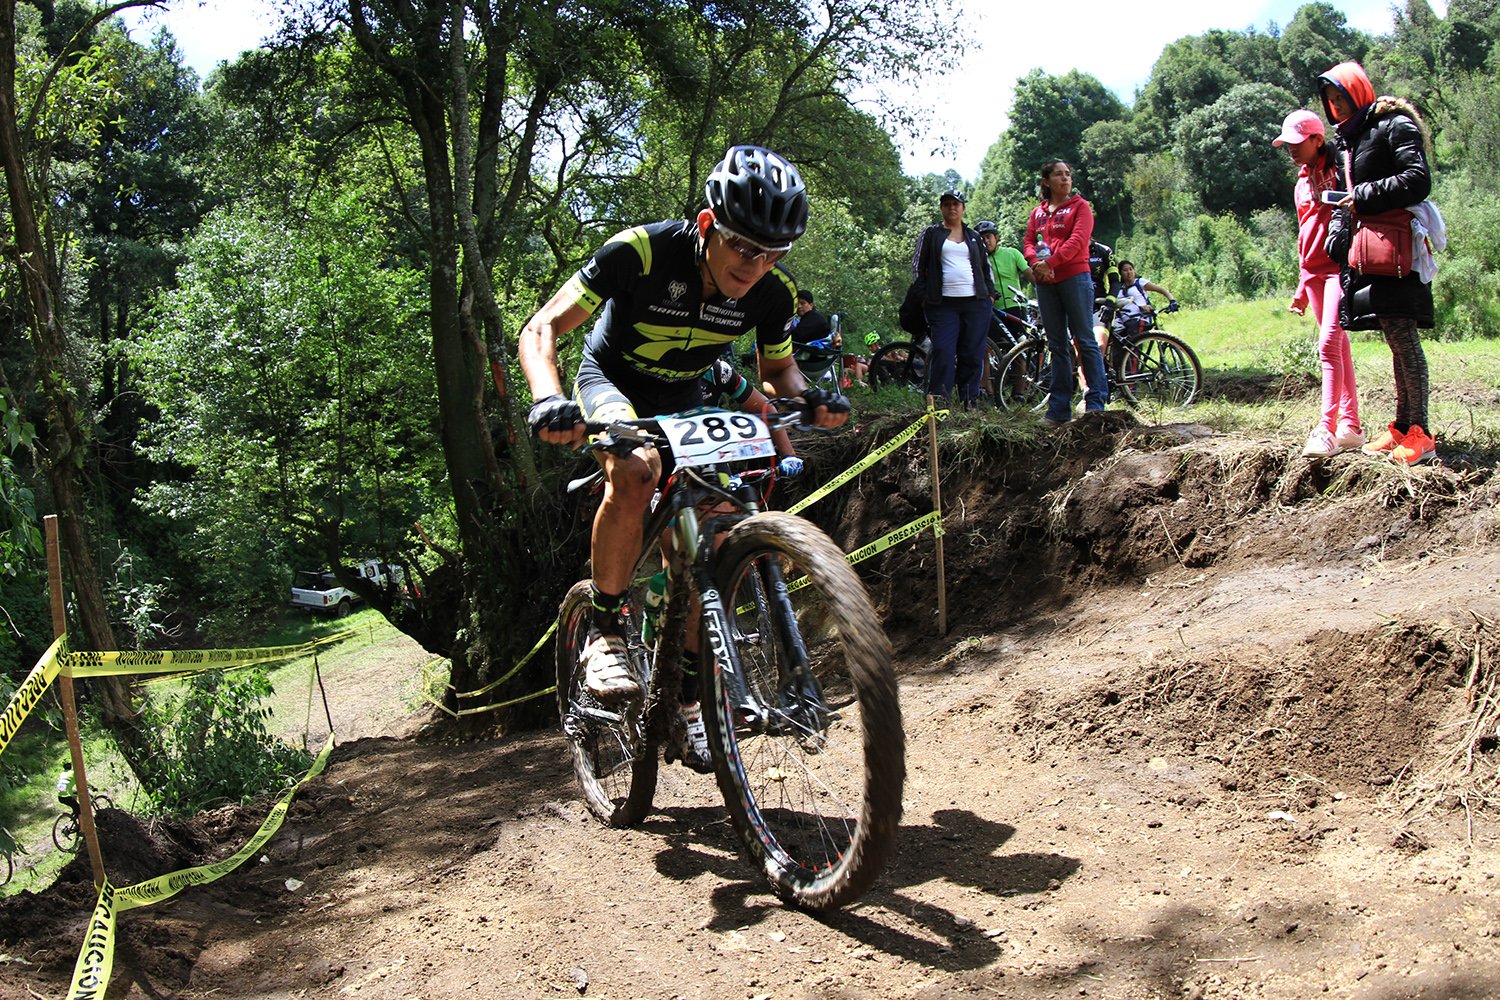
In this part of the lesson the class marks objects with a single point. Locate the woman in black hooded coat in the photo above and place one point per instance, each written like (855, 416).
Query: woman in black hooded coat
(1385, 149)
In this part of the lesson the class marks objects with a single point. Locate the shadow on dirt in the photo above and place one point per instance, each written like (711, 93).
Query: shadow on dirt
(959, 847)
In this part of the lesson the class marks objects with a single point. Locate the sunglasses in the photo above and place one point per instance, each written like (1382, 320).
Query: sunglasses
(750, 251)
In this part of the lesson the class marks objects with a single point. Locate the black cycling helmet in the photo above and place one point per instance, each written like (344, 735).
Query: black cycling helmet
(986, 227)
(759, 195)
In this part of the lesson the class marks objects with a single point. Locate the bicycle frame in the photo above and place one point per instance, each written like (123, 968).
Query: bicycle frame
(691, 568)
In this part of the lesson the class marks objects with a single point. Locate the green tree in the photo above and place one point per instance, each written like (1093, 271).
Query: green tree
(1049, 117)
(1225, 151)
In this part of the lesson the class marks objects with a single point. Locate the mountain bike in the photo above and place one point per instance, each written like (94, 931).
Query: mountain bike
(1148, 367)
(800, 701)
(65, 827)
(904, 362)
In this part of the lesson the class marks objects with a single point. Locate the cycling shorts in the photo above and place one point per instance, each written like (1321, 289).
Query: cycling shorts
(623, 393)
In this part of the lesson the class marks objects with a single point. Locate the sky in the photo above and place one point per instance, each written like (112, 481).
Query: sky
(1115, 41)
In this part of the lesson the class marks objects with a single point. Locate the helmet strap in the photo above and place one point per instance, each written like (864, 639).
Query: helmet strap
(705, 227)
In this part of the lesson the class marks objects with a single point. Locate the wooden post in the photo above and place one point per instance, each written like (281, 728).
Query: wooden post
(937, 505)
(69, 707)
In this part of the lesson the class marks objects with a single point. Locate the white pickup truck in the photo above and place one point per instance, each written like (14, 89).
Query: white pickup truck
(322, 592)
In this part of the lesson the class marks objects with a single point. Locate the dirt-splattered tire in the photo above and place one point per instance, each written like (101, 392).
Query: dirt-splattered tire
(615, 763)
(1157, 369)
(812, 774)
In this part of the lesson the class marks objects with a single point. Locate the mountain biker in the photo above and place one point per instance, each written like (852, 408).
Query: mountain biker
(67, 790)
(672, 293)
(1010, 270)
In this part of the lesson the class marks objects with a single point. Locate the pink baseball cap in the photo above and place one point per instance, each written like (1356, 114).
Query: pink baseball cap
(1298, 126)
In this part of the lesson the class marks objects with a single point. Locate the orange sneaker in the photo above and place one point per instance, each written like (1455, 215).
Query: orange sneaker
(1416, 446)
(1384, 443)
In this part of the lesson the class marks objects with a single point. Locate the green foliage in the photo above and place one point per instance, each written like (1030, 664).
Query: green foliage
(1318, 37)
(1048, 120)
(1225, 150)
(209, 744)
(294, 391)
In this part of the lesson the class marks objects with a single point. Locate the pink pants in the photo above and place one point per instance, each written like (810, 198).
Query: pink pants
(1340, 400)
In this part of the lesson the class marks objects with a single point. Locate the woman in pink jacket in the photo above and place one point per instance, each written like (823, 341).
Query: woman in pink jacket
(1057, 248)
(1338, 429)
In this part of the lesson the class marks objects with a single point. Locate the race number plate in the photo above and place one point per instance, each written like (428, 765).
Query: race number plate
(717, 436)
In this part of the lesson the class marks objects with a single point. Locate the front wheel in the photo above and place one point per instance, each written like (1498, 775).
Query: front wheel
(803, 713)
(614, 762)
(1024, 377)
(1155, 368)
(65, 833)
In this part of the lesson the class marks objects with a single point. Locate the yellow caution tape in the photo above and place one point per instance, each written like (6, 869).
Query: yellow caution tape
(878, 455)
(513, 670)
(97, 958)
(162, 661)
(31, 690)
(933, 520)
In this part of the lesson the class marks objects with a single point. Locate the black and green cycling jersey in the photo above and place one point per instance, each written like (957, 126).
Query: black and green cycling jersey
(656, 322)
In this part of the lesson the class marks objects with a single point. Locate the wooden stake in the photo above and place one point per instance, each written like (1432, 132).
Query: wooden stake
(69, 707)
(937, 505)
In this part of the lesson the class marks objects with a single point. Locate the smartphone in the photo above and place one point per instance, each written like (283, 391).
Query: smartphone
(1334, 197)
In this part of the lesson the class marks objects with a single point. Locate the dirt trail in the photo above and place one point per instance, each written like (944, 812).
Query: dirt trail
(1218, 751)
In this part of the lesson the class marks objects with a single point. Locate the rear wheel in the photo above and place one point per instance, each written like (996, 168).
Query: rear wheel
(614, 762)
(811, 760)
(1156, 368)
(902, 364)
(1025, 376)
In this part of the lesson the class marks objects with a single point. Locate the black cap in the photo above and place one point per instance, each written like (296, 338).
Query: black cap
(955, 195)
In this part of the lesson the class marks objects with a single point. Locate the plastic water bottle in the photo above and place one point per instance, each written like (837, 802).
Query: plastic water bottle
(656, 593)
(1043, 253)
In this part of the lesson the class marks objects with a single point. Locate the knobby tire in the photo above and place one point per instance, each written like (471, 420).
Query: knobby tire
(615, 763)
(901, 363)
(813, 786)
(1157, 369)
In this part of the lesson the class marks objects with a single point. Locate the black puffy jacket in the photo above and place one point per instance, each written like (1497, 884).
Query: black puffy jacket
(1383, 147)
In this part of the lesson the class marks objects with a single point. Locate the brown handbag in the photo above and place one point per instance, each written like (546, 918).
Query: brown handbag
(1381, 245)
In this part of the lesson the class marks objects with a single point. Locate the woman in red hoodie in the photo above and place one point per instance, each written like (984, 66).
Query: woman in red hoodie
(1339, 428)
(1057, 248)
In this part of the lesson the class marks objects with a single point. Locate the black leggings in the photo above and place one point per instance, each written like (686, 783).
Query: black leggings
(1410, 365)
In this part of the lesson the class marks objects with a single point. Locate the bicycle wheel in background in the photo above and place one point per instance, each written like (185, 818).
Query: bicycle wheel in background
(1024, 377)
(615, 764)
(813, 776)
(65, 833)
(901, 363)
(1156, 368)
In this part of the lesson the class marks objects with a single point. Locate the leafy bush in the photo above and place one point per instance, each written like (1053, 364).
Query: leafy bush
(210, 744)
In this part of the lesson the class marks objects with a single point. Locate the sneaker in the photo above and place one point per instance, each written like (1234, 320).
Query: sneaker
(1349, 438)
(606, 669)
(694, 751)
(1383, 445)
(1320, 444)
(1416, 446)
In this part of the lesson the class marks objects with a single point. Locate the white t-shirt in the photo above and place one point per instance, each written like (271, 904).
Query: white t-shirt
(1133, 298)
(958, 270)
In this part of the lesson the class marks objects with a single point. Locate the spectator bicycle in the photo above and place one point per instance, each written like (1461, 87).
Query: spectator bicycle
(1147, 367)
(800, 700)
(904, 362)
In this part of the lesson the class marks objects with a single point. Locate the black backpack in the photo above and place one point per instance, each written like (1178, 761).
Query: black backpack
(912, 316)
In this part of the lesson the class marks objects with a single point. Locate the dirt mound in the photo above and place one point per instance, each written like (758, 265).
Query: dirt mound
(1210, 720)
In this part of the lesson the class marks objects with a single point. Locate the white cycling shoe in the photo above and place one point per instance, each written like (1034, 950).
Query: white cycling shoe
(606, 669)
